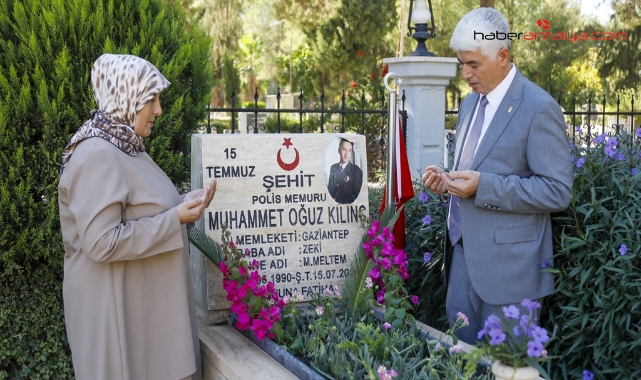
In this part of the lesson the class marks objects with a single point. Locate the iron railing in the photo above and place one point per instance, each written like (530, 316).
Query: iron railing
(370, 122)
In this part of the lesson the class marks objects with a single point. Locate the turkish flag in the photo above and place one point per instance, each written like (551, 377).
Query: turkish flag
(403, 189)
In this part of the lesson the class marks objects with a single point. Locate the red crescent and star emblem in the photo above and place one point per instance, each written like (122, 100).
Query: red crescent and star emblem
(285, 166)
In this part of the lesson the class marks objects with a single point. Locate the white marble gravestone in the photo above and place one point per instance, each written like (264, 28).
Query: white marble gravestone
(272, 191)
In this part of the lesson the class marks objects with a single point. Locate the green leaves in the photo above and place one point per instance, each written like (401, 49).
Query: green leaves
(596, 303)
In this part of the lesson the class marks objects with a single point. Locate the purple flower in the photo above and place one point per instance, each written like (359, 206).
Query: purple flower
(599, 139)
(427, 219)
(633, 171)
(609, 151)
(540, 334)
(415, 300)
(492, 322)
(386, 326)
(578, 129)
(427, 257)
(534, 349)
(612, 142)
(623, 249)
(620, 156)
(511, 312)
(530, 305)
(516, 331)
(496, 337)
(638, 133)
(545, 264)
(580, 162)
(423, 196)
(525, 321)
(587, 375)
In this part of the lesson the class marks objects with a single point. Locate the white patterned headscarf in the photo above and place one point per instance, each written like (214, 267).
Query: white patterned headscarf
(122, 85)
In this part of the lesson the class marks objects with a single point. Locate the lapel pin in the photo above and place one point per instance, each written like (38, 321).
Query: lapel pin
(509, 110)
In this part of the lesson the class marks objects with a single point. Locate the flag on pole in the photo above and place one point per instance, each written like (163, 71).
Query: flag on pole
(403, 189)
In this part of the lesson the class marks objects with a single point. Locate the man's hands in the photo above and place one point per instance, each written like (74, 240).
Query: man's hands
(195, 202)
(433, 181)
(462, 184)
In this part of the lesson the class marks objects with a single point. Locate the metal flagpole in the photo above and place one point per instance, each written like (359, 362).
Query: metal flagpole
(392, 119)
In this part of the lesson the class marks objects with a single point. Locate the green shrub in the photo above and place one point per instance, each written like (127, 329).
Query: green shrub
(426, 277)
(47, 49)
(33, 343)
(597, 303)
(252, 104)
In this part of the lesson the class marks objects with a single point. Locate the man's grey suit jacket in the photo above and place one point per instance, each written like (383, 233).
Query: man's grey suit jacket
(526, 173)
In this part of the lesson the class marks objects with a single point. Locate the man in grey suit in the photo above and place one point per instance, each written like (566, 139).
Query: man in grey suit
(512, 169)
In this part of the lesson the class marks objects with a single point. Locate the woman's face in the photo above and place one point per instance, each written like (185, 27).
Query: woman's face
(146, 117)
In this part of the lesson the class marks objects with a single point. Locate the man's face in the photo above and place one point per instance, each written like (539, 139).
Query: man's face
(481, 72)
(345, 151)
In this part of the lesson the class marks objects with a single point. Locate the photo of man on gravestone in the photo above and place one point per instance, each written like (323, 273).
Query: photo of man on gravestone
(345, 177)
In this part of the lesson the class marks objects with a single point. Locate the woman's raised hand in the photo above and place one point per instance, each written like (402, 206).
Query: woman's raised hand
(195, 202)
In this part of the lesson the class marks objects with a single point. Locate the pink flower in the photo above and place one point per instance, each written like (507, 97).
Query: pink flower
(387, 263)
(401, 258)
(253, 280)
(271, 288)
(463, 317)
(260, 291)
(242, 271)
(380, 296)
(238, 308)
(388, 249)
(386, 326)
(274, 311)
(242, 291)
(375, 274)
(373, 230)
(387, 234)
(415, 300)
(224, 268)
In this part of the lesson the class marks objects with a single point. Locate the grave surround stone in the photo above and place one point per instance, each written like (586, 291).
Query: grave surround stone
(272, 192)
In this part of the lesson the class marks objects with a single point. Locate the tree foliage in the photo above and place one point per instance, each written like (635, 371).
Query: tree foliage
(620, 57)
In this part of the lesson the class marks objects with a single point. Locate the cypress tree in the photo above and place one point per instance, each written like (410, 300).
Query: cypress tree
(47, 48)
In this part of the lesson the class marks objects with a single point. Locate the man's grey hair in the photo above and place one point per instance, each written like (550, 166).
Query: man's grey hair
(467, 34)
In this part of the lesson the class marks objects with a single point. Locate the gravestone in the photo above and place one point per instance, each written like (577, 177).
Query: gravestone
(272, 191)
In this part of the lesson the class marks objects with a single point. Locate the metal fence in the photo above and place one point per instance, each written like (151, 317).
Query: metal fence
(581, 118)
(350, 115)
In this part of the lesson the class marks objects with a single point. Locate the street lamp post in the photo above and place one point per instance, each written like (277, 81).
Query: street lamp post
(421, 16)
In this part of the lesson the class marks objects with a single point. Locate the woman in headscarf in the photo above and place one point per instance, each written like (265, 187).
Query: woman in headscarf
(127, 290)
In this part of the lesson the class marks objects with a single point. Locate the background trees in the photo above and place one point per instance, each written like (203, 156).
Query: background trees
(314, 45)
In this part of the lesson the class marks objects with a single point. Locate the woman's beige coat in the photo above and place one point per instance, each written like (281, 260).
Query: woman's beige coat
(128, 297)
